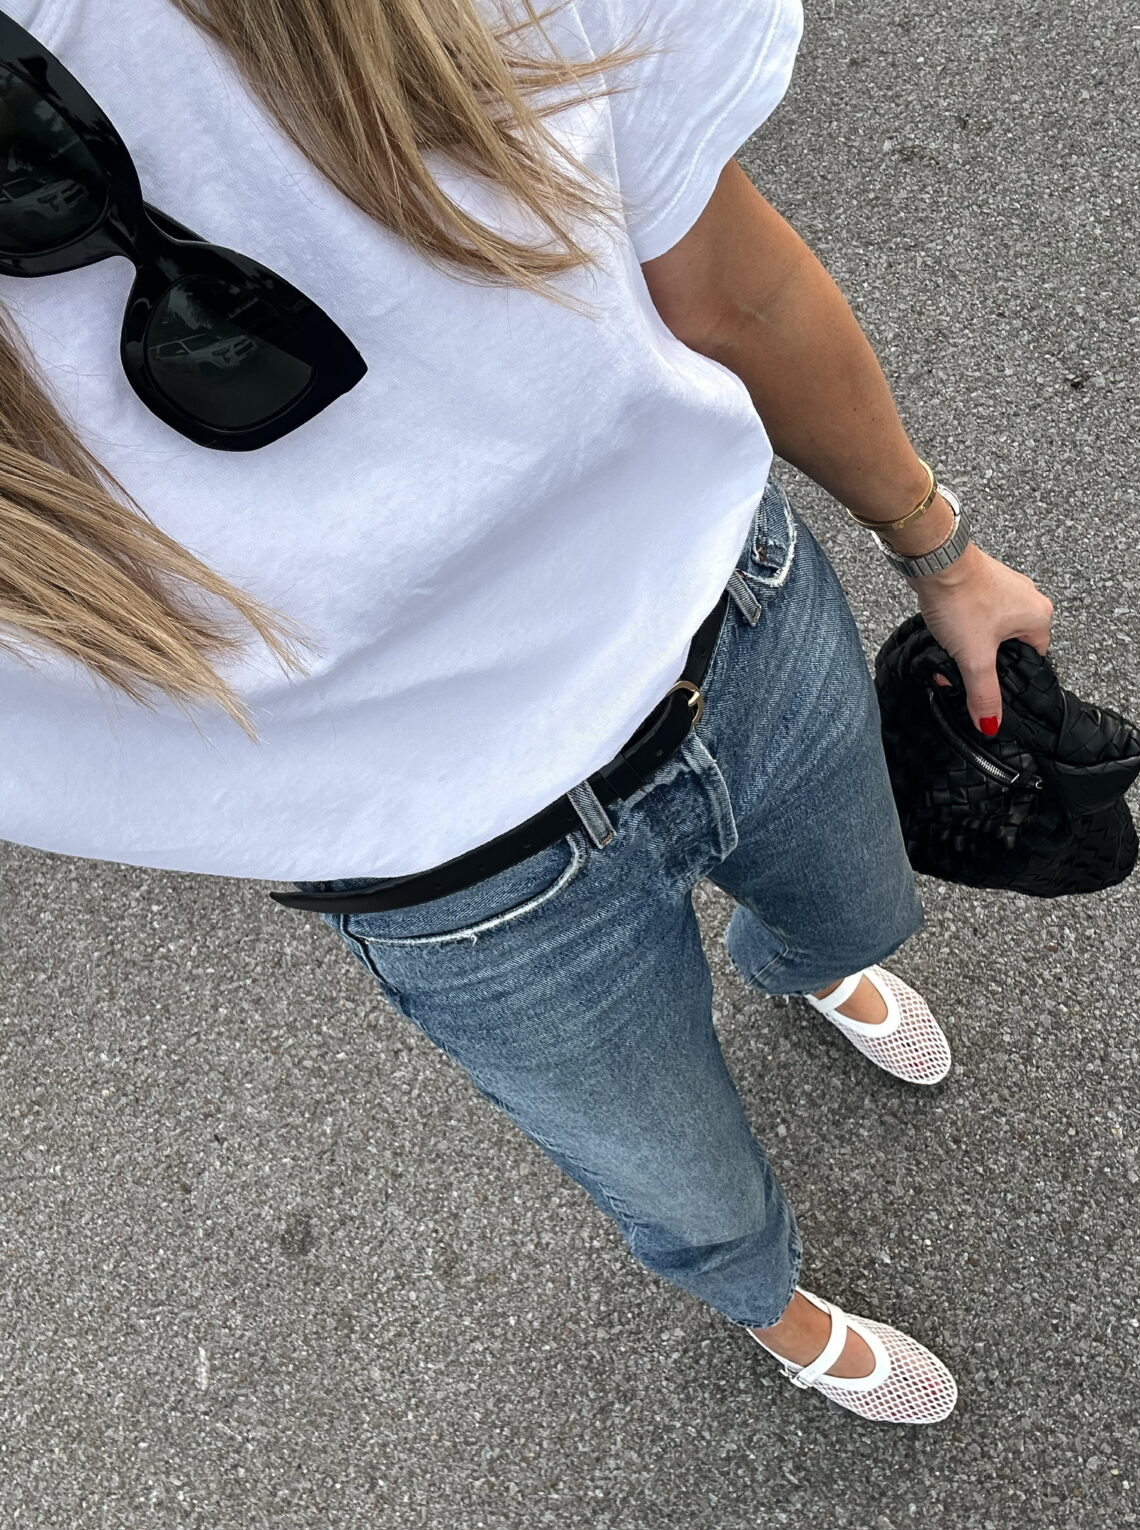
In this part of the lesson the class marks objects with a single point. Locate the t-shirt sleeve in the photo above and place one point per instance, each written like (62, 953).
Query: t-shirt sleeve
(685, 111)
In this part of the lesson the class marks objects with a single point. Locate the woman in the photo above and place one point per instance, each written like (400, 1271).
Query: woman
(506, 475)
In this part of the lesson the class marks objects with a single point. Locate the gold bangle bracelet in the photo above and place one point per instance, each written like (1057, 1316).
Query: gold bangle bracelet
(923, 505)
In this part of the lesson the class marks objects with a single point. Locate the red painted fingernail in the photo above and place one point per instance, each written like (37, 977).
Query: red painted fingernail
(989, 726)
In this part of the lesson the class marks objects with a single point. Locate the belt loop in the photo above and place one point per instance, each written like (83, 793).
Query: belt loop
(750, 608)
(589, 809)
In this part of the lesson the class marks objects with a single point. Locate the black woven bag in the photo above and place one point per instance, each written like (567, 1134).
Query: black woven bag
(1039, 808)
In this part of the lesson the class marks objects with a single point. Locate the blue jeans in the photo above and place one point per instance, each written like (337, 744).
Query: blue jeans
(573, 988)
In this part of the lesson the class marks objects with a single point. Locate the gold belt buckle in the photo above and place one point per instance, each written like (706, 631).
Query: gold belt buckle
(694, 695)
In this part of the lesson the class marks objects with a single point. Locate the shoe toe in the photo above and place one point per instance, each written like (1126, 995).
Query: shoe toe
(918, 1390)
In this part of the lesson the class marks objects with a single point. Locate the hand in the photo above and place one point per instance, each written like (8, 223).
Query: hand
(973, 606)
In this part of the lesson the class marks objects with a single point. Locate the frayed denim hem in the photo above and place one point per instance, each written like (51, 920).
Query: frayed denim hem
(874, 960)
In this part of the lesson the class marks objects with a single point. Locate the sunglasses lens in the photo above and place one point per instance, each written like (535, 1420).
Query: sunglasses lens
(221, 350)
(51, 190)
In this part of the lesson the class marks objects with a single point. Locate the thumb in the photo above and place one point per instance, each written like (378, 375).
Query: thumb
(983, 697)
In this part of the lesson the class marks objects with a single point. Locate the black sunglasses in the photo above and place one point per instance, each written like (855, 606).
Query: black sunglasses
(218, 346)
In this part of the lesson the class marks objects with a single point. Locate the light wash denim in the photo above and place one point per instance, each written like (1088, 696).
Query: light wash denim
(573, 988)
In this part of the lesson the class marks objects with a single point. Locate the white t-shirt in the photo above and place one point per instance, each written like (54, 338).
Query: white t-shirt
(504, 537)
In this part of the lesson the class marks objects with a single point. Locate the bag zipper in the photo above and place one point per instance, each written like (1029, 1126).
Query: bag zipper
(984, 762)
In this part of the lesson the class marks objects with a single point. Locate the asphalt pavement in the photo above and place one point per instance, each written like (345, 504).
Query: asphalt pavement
(270, 1261)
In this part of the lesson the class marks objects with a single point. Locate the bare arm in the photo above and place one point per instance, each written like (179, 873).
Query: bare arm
(744, 289)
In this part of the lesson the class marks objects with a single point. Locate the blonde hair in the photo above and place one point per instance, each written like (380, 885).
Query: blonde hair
(363, 88)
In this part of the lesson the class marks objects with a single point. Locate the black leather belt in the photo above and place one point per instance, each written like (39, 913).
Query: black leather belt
(654, 741)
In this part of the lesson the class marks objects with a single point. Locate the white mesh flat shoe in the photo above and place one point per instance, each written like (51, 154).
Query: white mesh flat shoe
(909, 1043)
(908, 1384)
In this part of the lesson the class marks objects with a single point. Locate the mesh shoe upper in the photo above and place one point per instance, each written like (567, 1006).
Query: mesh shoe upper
(909, 1043)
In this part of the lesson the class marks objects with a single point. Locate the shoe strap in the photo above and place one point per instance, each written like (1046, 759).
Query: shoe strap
(882, 1028)
(808, 1375)
(839, 996)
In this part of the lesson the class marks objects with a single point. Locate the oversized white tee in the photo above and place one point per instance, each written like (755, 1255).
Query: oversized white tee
(502, 539)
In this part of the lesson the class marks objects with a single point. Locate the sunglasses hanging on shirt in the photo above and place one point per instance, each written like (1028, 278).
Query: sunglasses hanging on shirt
(215, 344)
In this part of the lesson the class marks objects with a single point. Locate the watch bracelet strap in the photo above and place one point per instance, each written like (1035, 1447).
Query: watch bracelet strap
(940, 557)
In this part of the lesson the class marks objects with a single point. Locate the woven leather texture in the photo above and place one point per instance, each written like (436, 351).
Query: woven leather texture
(1064, 827)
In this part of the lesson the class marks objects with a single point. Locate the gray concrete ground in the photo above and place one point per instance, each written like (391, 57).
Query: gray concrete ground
(268, 1258)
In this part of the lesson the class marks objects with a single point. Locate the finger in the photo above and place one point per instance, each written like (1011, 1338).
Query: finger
(1039, 638)
(1039, 634)
(983, 697)
(940, 679)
